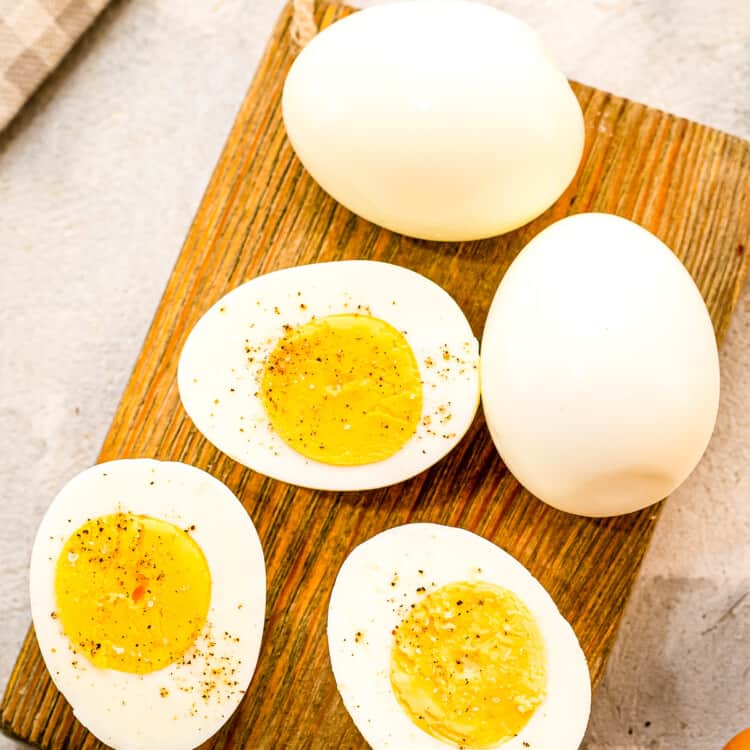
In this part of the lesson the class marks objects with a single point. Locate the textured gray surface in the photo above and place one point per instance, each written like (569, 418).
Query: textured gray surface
(99, 179)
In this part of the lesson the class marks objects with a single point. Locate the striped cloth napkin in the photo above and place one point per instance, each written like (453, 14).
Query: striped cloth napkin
(34, 36)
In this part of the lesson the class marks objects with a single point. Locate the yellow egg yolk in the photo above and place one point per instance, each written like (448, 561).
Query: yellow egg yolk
(132, 592)
(468, 664)
(343, 390)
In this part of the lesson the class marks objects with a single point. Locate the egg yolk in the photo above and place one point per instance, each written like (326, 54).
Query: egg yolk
(468, 664)
(343, 390)
(132, 592)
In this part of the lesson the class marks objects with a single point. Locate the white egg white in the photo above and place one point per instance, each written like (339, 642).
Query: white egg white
(600, 371)
(372, 594)
(165, 708)
(219, 384)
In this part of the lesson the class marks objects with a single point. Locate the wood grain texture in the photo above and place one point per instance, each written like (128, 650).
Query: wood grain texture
(688, 184)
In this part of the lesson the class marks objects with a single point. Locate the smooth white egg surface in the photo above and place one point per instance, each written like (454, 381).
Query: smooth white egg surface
(148, 599)
(439, 638)
(438, 119)
(346, 375)
(600, 371)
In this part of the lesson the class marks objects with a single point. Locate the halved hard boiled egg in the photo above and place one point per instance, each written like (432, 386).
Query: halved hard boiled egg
(346, 375)
(148, 600)
(438, 638)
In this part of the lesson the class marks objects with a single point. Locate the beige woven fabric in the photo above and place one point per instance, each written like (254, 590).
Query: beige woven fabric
(34, 36)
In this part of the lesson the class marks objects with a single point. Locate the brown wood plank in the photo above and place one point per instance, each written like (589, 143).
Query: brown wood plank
(688, 184)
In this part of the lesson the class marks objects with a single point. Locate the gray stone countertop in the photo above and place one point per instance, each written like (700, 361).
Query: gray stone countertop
(99, 179)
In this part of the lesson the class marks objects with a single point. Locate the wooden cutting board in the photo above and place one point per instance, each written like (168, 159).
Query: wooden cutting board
(688, 184)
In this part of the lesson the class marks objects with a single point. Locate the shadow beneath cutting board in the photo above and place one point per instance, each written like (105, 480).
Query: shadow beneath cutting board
(644, 700)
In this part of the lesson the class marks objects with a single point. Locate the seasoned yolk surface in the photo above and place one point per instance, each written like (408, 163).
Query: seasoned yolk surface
(344, 389)
(468, 664)
(132, 592)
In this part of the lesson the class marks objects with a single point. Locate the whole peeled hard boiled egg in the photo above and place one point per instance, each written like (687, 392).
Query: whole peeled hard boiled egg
(438, 638)
(599, 365)
(148, 593)
(347, 375)
(438, 119)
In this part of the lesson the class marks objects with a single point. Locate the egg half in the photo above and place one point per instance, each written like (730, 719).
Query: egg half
(600, 371)
(439, 119)
(438, 638)
(346, 375)
(147, 587)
